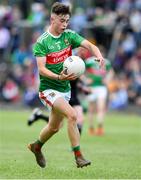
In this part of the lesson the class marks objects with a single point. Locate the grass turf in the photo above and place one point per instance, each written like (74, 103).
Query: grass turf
(116, 155)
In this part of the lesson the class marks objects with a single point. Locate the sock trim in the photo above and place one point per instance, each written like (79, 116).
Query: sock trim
(76, 148)
(39, 143)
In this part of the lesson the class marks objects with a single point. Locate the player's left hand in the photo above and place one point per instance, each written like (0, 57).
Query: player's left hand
(64, 76)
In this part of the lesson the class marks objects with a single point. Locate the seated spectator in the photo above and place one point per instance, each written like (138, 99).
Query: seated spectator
(118, 99)
(134, 91)
(31, 97)
(4, 39)
(21, 55)
(10, 91)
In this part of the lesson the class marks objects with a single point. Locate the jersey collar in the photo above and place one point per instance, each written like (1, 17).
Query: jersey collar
(53, 35)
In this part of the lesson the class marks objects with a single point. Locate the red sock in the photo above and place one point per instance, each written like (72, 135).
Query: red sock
(76, 151)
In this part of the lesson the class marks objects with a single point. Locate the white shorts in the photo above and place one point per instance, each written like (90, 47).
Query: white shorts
(98, 93)
(48, 97)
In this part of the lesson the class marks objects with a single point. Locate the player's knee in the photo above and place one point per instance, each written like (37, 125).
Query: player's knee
(72, 116)
(54, 130)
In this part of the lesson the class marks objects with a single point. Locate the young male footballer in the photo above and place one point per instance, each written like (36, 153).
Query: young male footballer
(51, 49)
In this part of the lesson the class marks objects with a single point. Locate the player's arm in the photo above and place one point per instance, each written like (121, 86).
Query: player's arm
(41, 61)
(94, 50)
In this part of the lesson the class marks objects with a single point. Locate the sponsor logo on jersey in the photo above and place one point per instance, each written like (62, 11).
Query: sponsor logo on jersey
(50, 47)
(57, 57)
(57, 44)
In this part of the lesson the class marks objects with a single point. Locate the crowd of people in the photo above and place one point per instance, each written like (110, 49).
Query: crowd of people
(33, 46)
(20, 27)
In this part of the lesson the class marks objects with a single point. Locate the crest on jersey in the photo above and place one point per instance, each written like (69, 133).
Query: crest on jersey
(66, 42)
(52, 94)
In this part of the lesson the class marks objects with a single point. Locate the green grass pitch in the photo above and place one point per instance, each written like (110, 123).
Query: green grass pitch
(116, 155)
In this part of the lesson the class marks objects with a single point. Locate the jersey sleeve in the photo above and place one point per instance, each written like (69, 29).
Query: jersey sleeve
(76, 39)
(39, 50)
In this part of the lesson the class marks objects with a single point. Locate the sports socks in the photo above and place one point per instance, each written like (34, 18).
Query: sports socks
(76, 151)
(38, 144)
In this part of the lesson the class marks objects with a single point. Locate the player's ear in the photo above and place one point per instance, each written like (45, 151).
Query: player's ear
(52, 18)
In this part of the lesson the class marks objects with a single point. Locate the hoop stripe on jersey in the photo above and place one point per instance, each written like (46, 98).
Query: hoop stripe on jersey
(41, 38)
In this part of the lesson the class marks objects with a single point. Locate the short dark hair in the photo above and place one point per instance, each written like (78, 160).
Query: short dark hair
(60, 8)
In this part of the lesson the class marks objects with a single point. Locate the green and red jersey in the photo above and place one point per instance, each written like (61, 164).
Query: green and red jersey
(56, 49)
(96, 73)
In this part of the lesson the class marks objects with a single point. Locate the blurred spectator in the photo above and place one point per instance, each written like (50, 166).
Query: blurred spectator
(16, 14)
(24, 8)
(118, 97)
(138, 4)
(120, 60)
(78, 20)
(4, 39)
(134, 91)
(37, 14)
(128, 44)
(31, 97)
(15, 39)
(10, 91)
(138, 55)
(21, 24)
(134, 21)
(30, 81)
(21, 55)
(124, 5)
(104, 23)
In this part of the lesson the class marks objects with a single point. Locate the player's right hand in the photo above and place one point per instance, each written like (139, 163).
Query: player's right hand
(64, 76)
(101, 62)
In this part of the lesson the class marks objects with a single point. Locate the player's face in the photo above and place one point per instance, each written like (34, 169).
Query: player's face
(60, 23)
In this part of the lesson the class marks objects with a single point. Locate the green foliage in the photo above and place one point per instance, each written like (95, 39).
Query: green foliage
(116, 155)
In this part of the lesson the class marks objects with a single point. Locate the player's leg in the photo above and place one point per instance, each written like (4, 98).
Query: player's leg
(75, 103)
(50, 129)
(64, 108)
(36, 115)
(48, 98)
(60, 108)
(91, 109)
(80, 117)
(101, 109)
(44, 117)
(53, 126)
